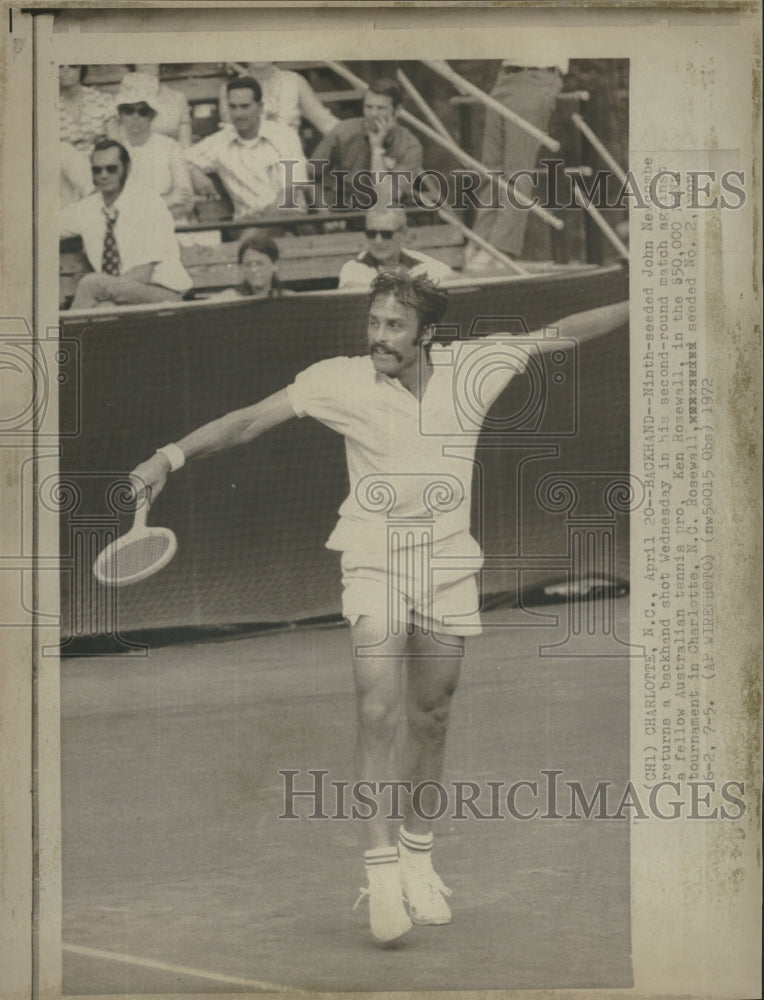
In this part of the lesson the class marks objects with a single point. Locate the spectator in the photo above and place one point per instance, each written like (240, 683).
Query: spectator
(173, 117)
(249, 157)
(86, 113)
(386, 233)
(76, 179)
(287, 98)
(128, 238)
(531, 92)
(374, 142)
(258, 267)
(157, 164)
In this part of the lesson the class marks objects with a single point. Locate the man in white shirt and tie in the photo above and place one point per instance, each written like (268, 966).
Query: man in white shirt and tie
(256, 159)
(128, 236)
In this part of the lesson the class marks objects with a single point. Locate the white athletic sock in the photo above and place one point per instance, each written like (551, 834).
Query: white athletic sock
(416, 849)
(379, 857)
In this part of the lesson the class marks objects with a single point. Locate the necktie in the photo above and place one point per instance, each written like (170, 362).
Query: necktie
(110, 262)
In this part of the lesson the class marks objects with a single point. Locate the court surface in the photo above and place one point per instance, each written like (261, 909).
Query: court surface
(179, 877)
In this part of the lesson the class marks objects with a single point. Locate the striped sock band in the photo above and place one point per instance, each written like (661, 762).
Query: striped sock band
(379, 856)
(418, 843)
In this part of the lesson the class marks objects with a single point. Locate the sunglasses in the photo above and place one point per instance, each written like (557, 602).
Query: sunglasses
(135, 109)
(109, 168)
(386, 234)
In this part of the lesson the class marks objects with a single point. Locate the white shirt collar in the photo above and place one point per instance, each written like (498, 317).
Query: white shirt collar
(115, 206)
(262, 135)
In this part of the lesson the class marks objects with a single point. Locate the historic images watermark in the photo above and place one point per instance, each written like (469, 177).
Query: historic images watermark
(556, 188)
(545, 796)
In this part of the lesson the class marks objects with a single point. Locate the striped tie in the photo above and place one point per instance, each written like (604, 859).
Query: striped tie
(110, 263)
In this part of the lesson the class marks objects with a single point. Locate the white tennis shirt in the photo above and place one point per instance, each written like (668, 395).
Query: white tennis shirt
(410, 461)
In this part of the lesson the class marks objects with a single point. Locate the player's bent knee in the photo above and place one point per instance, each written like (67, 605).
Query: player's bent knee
(377, 717)
(429, 725)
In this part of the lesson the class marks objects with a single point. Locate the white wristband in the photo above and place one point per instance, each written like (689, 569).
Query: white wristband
(174, 456)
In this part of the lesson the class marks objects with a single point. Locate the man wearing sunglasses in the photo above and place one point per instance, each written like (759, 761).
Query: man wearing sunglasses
(386, 233)
(156, 161)
(128, 236)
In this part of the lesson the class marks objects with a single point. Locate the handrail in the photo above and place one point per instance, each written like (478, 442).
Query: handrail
(459, 283)
(280, 221)
(287, 220)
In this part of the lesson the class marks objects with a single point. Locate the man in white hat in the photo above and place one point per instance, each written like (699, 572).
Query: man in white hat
(128, 237)
(157, 165)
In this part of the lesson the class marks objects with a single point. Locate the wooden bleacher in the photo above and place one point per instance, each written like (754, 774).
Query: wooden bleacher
(303, 260)
(313, 258)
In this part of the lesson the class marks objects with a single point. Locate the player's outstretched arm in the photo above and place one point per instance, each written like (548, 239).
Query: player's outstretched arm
(236, 427)
(587, 325)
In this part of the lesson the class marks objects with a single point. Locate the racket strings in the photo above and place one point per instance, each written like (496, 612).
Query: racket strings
(133, 557)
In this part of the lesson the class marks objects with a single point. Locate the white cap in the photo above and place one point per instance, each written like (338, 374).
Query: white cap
(139, 88)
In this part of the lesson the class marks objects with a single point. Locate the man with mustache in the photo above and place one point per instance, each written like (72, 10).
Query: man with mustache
(409, 562)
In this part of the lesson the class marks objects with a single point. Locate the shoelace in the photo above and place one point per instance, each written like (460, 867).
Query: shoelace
(432, 881)
(364, 895)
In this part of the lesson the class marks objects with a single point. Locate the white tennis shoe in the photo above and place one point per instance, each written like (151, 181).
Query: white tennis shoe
(387, 914)
(425, 893)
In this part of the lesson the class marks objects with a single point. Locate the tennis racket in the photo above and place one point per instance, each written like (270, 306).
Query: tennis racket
(142, 552)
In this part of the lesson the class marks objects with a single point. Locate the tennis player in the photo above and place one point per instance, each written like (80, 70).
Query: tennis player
(410, 412)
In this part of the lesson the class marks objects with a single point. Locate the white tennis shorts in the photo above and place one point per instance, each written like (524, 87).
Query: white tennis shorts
(432, 585)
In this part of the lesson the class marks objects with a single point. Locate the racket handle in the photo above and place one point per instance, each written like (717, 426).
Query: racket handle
(141, 512)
